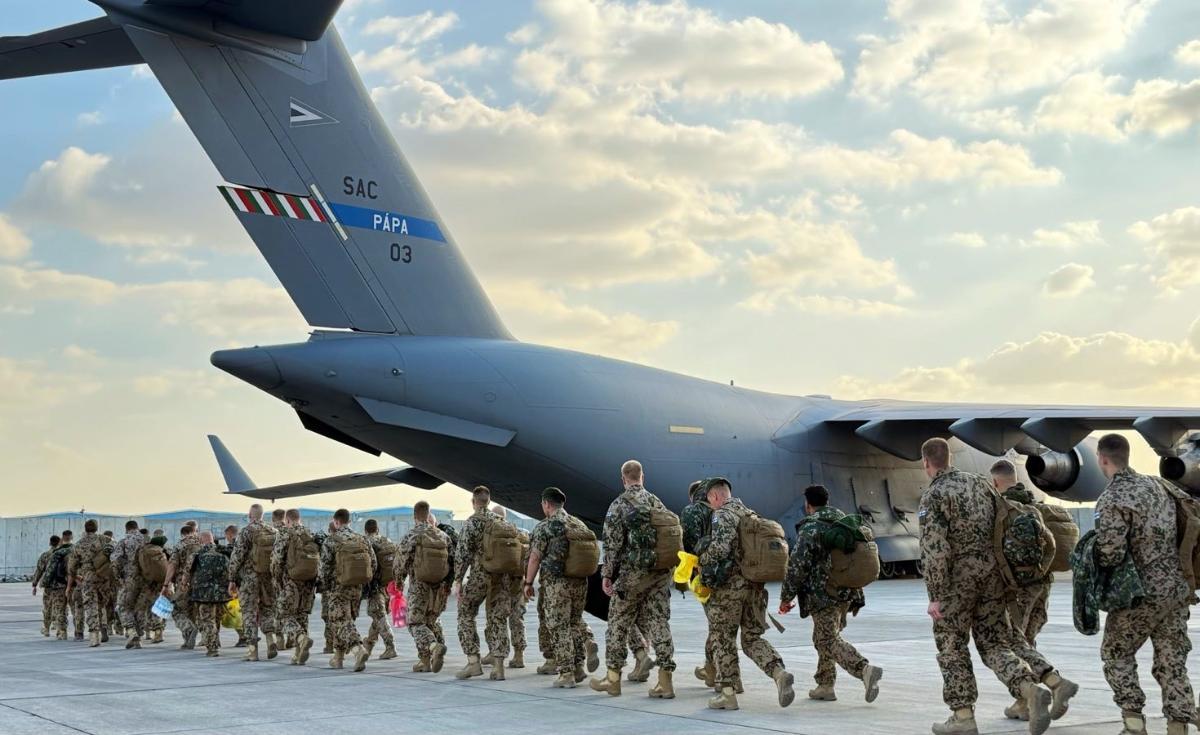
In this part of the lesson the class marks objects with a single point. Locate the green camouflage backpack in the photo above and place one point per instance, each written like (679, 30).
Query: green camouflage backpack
(210, 576)
(1024, 547)
(655, 539)
(56, 574)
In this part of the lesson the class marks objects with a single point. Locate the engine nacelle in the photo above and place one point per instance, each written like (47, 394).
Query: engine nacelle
(1184, 467)
(1073, 475)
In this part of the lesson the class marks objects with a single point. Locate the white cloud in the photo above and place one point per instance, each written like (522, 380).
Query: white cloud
(81, 354)
(95, 117)
(412, 29)
(31, 385)
(1069, 280)
(768, 302)
(1188, 54)
(178, 384)
(967, 239)
(1173, 239)
(1066, 236)
(14, 245)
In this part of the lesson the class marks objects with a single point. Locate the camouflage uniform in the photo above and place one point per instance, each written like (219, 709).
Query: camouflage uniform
(421, 597)
(514, 588)
(957, 516)
(1135, 515)
(90, 587)
(256, 592)
(294, 602)
(124, 561)
(560, 599)
(736, 602)
(377, 596)
(642, 598)
(183, 614)
(442, 596)
(208, 604)
(39, 574)
(155, 624)
(343, 599)
(696, 520)
(56, 590)
(479, 587)
(807, 581)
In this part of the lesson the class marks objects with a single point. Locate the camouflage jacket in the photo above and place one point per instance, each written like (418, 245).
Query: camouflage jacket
(619, 523)
(452, 534)
(406, 549)
(240, 563)
(469, 551)
(181, 557)
(809, 565)
(1097, 588)
(958, 519)
(124, 556)
(720, 563)
(83, 555)
(329, 552)
(549, 541)
(43, 563)
(1135, 515)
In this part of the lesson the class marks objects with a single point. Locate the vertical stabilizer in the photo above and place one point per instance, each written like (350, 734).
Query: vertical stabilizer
(236, 479)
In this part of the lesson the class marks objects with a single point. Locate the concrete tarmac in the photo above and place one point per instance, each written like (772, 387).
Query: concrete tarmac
(55, 688)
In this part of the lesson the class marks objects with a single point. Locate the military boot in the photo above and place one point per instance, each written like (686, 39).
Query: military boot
(664, 689)
(104, 634)
(1037, 700)
(549, 667)
(642, 663)
(870, 678)
(389, 652)
(303, 646)
(272, 646)
(328, 647)
(473, 668)
(565, 680)
(1061, 691)
(189, 641)
(593, 656)
(727, 699)
(518, 660)
(422, 665)
(783, 682)
(497, 668)
(580, 674)
(1135, 723)
(611, 683)
(62, 636)
(251, 652)
(241, 642)
(158, 637)
(369, 645)
(486, 659)
(360, 655)
(961, 722)
(823, 693)
(94, 639)
(437, 656)
(1018, 710)
(133, 641)
(1177, 728)
(335, 661)
(707, 674)
(79, 635)
(214, 653)
(289, 643)
(45, 631)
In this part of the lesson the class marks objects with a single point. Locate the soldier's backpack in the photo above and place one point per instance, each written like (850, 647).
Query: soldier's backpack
(452, 534)
(56, 574)
(262, 545)
(501, 548)
(853, 553)
(431, 558)
(764, 549)
(583, 552)
(152, 563)
(385, 554)
(1065, 532)
(655, 539)
(1023, 546)
(1187, 533)
(303, 556)
(353, 562)
(210, 577)
(102, 564)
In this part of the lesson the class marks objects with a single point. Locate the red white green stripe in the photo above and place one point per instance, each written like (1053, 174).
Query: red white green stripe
(261, 201)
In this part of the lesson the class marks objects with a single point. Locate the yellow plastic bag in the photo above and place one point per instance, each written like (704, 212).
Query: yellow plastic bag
(232, 618)
(687, 565)
(701, 592)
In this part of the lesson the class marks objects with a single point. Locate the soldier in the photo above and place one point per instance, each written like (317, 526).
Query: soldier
(641, 596)
(967, 595)
(1131, 515)
(124, 561)
(562, 598)
(226, 548)
(73, 594)
(112, 592)
(1027, 612)
(696, 520)
(516, 603)
(208, 590)
(347, 564)
(474, 589)
(39, 575)
(155, 625)
(442, 597)
(294, 604)
(177, 588)
(91, 568)
(376, 593)
(54, 582)
(807, 582)
(422, 596)
(736, 603)
(250, 582)
(328, 630)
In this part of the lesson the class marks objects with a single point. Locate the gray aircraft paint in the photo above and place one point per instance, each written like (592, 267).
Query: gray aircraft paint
(429, 373)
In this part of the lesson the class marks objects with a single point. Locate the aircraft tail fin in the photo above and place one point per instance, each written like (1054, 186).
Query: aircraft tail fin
(236, 479)
(306, 20)
(92, 44)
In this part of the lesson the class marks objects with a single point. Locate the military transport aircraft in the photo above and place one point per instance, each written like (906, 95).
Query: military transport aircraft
(409, 357)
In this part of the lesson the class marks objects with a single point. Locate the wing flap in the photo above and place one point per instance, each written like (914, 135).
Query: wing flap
(92, 44)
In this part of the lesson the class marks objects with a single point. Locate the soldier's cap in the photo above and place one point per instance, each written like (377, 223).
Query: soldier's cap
(707, 483)
(554, 495)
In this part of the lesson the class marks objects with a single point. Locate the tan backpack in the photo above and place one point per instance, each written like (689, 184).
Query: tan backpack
(1065, 531)
(583, 552)
(501, 548)
(764, 549)
(858, 567)
(303, 556)
(353, 562)
(1187, 533)
(431, 560)
(385, 554)
(668, 538)
(102, 565)
(152, 563)
(262, 545)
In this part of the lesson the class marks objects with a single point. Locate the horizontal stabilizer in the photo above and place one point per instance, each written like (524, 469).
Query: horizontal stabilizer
(92, 44)
(435, 423)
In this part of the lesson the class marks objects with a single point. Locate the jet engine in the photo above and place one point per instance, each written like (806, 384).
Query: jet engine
(1184, 467)
(1073, 475)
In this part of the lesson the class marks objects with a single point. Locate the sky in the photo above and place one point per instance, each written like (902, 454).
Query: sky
(931, 199)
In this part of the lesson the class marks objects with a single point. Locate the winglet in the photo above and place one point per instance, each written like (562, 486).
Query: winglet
(236, 478)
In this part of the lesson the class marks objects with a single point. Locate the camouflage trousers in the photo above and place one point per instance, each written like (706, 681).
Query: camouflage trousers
(294, 606)
(256, 595)
(112, 597)
(343, 602)
(832, 649)
(977, 610)
(516, 612)
(478, 589)
(90, 599)
(377, 610)
(57, 599)
(731, 609)
(1027, 611)
(47, 611)
(581, 629)
(440, 602)
(134, 605)
(423, 616)
(184, 614)
(560, 615)
(1164, 624)
(208, 623)
(325, 594)
(76, 603)
(642, 602)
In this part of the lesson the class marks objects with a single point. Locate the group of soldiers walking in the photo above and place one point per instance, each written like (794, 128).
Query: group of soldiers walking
(275, 569)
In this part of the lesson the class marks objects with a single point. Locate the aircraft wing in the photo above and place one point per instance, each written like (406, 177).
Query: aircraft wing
(92, 44)
(897, 427)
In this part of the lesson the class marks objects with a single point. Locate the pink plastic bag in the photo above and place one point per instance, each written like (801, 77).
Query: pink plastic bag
(398, 606)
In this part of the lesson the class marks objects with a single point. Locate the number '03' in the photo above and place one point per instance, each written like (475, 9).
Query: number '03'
(401, 253)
